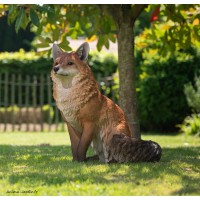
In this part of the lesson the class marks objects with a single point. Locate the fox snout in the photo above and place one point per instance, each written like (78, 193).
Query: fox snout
(56, 68)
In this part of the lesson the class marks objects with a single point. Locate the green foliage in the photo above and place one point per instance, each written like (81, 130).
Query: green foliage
(191, 125)
(56, 22)
(12, 41)
(33, 63)
(161, 98)
(142, 22)
(19, 20)
(102, 64)
(116, 85)
(166, 64)
(34, 17)
(43, 162)
(24, 62)
(193, 95)
(177, 27)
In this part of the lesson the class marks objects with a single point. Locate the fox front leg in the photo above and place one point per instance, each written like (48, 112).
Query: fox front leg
(85, 141)
(75, 139)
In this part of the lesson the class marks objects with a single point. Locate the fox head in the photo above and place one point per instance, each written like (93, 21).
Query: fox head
(69, 64)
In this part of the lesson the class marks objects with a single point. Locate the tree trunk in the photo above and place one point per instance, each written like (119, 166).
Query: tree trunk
(125, 16)
(127, 76)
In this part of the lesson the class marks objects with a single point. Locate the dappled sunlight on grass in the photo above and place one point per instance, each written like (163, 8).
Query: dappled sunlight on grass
(48, 169)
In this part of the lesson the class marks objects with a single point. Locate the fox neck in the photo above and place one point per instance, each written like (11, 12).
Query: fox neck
(65, 88)
(64, 82)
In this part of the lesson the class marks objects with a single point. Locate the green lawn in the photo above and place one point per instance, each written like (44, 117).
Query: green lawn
(40, 164)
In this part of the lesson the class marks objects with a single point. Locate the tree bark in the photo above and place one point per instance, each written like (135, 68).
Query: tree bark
(125, 16)
(127, 77)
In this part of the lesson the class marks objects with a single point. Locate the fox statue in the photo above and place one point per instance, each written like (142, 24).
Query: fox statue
(92, 118)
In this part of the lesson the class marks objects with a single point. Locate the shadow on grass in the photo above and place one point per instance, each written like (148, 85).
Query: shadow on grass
(52, 165)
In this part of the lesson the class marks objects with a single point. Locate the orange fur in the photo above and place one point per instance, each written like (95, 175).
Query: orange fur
(91, 117)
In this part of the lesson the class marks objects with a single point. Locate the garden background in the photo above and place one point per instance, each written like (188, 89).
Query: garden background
(35, 147)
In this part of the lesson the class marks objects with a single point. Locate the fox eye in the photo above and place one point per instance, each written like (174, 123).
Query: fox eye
(56, 63)
(70, 63)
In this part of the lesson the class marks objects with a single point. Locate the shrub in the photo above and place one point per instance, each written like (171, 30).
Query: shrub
(102, 64)
(162, 103)
(32, 63)
(191, 125)
(193, 95)
(24, 63)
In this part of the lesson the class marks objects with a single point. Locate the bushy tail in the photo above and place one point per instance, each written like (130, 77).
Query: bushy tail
(126, 149)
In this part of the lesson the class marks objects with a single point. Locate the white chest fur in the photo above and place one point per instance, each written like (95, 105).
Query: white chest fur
(71, 94)
(67, 101)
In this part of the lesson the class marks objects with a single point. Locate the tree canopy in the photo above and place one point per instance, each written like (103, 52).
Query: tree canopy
(181, 23)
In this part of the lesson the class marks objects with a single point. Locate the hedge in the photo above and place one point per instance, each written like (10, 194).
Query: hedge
(32, 63)
(162, 102)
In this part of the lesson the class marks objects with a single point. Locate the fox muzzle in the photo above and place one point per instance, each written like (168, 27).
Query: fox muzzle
(56, 68)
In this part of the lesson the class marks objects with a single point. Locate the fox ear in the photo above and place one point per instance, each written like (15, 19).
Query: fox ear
(56, 51)
(83, 51)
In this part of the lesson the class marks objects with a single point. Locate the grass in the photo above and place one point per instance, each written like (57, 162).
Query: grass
(40, 164)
